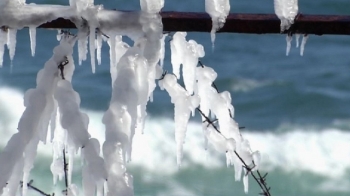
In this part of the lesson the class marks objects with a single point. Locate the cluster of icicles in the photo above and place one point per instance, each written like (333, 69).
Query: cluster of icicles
(286, 11)
(134, 71)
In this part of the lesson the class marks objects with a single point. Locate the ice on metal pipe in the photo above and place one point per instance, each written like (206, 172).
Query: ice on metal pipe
(218, 11)
(32, 35)
(152, 6)
(289, 39)
(286, 11)
(184, 104)
(303, 43)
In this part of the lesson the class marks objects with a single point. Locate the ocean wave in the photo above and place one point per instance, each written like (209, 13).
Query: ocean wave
(320, 151)
(246, 85)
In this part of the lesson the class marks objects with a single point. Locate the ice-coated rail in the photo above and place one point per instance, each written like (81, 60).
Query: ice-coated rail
(242, 23)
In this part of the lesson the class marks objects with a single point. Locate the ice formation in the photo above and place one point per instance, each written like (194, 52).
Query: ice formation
(218, 11)
(286, 11)
(185, 53)
(303, 43)
(134, 70)
(152, 6)
(297, 37)
(289, 39)
(185, 104)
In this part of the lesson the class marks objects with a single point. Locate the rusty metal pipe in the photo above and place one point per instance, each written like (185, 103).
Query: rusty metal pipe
(242, 23)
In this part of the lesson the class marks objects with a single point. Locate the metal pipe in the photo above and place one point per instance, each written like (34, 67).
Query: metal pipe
(242, 23)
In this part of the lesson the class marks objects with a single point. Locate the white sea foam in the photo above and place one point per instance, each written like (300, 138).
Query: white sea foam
(245, 84)
(323, 152)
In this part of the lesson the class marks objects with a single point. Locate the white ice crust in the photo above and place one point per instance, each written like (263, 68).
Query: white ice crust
(286, 11)
(218, 11)
(134, 70)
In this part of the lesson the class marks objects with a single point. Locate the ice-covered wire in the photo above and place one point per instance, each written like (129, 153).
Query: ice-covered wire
(261, 180)
(29, 184)
(61, 66)
(65, 168)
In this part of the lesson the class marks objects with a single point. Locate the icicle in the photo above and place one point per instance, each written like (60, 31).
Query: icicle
(82, 49)
(11, 42)
(3, 41)
(162, 50)
(193, 51)
(92, 48)
(178, 47)
(245, 182)
(99, 47)
(218, 11)
(112, 57)
(32, 34)
(184, 105)
(289, 43)
(297, 37)
(303, 42)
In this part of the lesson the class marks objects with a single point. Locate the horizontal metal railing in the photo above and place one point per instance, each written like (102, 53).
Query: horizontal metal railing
(242, 23)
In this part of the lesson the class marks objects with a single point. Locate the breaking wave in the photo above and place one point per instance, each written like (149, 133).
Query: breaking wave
(323, 152)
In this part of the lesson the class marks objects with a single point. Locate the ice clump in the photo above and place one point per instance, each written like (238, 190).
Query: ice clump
(218, 11)
(39, 104)
(152, 6)
(184, 104)
(187, 54)
(286, 11)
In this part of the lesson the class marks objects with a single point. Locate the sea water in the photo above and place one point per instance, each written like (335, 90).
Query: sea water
(295, 110)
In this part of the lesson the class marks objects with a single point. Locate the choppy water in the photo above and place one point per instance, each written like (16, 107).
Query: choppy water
(296, 110)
